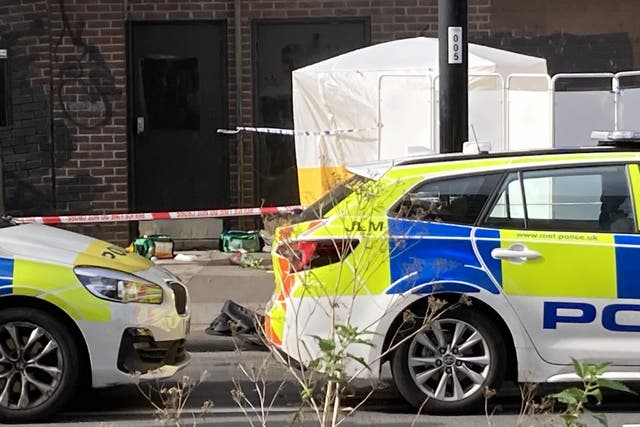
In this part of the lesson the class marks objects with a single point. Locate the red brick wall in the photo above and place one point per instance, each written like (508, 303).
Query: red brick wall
(77, 68)
(89, 109)
(69, 82)
(540, 17)
(25, 144)
(585, 36)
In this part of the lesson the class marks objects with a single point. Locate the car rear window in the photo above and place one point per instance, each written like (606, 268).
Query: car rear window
(327, 202)
(456, 200)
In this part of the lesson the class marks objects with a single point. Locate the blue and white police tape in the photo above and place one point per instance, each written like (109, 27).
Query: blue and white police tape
(278, 131)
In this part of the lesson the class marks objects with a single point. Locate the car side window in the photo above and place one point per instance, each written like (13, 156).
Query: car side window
(454, 200)
(590, 199)
(508, 210)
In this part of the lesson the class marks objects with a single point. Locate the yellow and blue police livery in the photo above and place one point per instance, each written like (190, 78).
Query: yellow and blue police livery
(78, 311)
(6, 275)
(534, 256)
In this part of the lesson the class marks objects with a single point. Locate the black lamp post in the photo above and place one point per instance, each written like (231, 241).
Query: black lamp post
(454, 74)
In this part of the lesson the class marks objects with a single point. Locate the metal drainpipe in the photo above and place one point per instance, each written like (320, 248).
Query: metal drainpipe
(238, 72)
(615, 88)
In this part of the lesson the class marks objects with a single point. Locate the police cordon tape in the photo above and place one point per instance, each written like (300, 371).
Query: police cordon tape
(118, 217)
(278, 131)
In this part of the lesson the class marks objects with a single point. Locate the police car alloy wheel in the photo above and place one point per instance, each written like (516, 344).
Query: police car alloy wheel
(447, 365)
(39, 365)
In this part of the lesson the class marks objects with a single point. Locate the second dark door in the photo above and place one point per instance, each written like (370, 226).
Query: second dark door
(281, 46)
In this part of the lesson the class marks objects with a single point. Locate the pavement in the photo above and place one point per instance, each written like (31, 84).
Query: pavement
(211, 280)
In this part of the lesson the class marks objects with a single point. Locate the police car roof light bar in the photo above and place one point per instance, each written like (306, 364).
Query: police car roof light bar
(617, 138)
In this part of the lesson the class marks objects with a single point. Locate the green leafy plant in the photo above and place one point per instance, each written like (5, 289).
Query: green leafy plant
(576, 398)
(334, 353)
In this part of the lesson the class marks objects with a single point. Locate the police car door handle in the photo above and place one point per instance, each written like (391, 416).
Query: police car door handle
(517, 253)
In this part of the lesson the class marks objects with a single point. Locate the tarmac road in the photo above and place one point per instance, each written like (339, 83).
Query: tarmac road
(126, 405)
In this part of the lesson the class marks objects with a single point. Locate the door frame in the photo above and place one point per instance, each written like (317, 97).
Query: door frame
(130, 79)
(255, 23)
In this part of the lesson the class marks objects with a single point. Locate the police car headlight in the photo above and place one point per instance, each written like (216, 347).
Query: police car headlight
(118, 286)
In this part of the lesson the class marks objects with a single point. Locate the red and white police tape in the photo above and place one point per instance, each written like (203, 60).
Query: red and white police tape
(115, 217)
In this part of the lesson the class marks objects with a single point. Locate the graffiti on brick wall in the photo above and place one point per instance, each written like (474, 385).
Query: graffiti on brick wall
(26, 145)
(86, 68)
(85, 89)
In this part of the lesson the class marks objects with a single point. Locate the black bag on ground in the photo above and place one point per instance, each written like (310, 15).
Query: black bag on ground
(235, 319)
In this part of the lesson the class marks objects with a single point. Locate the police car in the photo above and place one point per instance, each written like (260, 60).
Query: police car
(543, 245)
(77, 311)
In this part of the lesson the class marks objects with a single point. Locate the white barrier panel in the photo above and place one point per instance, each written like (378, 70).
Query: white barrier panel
(528, 112)
(578, 113)
(629, 109)
(486, 110)
(529, 122)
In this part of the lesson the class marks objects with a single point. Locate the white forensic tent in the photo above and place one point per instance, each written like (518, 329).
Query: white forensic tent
(382, 101)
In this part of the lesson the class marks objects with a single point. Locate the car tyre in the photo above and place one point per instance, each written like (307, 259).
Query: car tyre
(447, 366)
(39, 365)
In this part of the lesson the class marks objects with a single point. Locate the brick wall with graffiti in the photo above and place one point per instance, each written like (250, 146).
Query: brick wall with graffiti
(89, 113)
(65, 148)
(25, 145)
